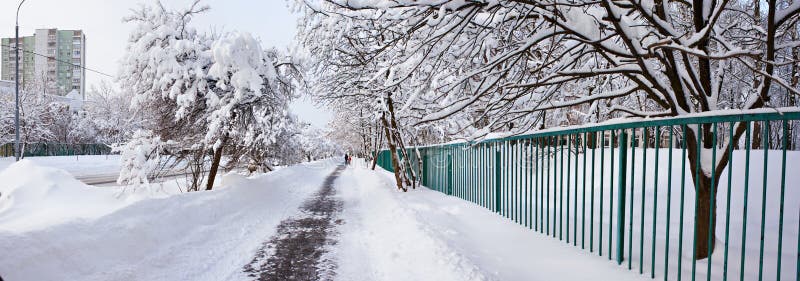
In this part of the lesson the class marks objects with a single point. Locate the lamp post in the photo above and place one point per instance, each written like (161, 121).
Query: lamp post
(16, 81)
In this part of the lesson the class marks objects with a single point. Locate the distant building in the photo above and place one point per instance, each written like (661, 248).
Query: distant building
(60, 65)
(73, 100)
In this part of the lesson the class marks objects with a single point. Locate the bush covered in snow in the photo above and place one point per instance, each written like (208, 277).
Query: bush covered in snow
(140, 158)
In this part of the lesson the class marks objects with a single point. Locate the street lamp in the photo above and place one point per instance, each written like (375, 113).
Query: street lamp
(16, 81)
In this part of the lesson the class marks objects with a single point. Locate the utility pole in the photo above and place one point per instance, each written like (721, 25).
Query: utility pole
(16, 82)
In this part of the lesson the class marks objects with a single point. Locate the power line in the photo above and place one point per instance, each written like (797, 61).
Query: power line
(61, 61)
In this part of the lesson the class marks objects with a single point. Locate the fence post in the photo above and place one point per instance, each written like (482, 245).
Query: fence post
(387, 160)
(424, 167)
(497, 180)
(623, 167)
(449, 172)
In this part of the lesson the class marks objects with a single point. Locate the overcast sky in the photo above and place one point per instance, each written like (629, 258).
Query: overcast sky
(106, 34)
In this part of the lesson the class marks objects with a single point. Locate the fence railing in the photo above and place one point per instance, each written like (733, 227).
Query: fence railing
(56, 149)
(627, 191)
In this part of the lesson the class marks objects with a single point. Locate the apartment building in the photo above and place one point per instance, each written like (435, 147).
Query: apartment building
(51, 59)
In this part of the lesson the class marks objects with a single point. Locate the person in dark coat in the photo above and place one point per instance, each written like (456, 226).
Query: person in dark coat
(346, 159)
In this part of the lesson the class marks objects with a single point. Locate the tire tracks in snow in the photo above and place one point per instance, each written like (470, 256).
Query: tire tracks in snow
(297, 251)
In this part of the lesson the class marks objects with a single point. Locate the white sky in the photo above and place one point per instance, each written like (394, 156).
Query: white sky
(106, 34)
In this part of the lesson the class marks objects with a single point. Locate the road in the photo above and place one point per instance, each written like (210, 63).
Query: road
(111, 179)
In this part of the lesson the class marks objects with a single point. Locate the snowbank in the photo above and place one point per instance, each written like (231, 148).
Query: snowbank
(426, 235)
(232, 178)
(188, 236)
(35, 196)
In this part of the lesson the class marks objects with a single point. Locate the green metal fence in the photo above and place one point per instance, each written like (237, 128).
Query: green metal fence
(56, 149)
(627, 191)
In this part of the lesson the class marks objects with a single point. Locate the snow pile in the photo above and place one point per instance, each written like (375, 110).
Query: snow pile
(35, 196)
(232, 178)
(187, 236)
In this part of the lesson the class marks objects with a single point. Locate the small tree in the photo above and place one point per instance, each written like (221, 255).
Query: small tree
(202, 92)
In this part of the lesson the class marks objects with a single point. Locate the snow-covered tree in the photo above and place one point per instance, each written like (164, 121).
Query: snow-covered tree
(38, 116)
(316, 144)
(468, 68)
(106, 117)
(204, 92)
(139, 159)
(6, 118)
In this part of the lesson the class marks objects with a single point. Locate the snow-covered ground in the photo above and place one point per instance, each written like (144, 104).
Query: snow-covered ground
(52, 227)
(514, 205)
(55, 228)
(426, 235)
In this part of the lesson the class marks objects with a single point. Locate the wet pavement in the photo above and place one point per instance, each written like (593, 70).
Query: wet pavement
(297, 251)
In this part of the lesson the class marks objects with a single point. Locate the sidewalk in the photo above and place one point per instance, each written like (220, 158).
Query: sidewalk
(296, 251)
(426, 235)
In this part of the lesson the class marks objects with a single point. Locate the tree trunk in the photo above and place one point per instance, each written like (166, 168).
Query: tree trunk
(790, 97)
(756, 144)
(419, 165)
(591, 140)
(400, 144)
(393, 136)
(377, 149)
(544, 120)
(406, 164)
(212, 174)
(705, 216)
(392, 152)
(366, 132)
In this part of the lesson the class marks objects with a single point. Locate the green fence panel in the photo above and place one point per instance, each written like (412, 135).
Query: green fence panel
(561, 181)
(55, 149)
